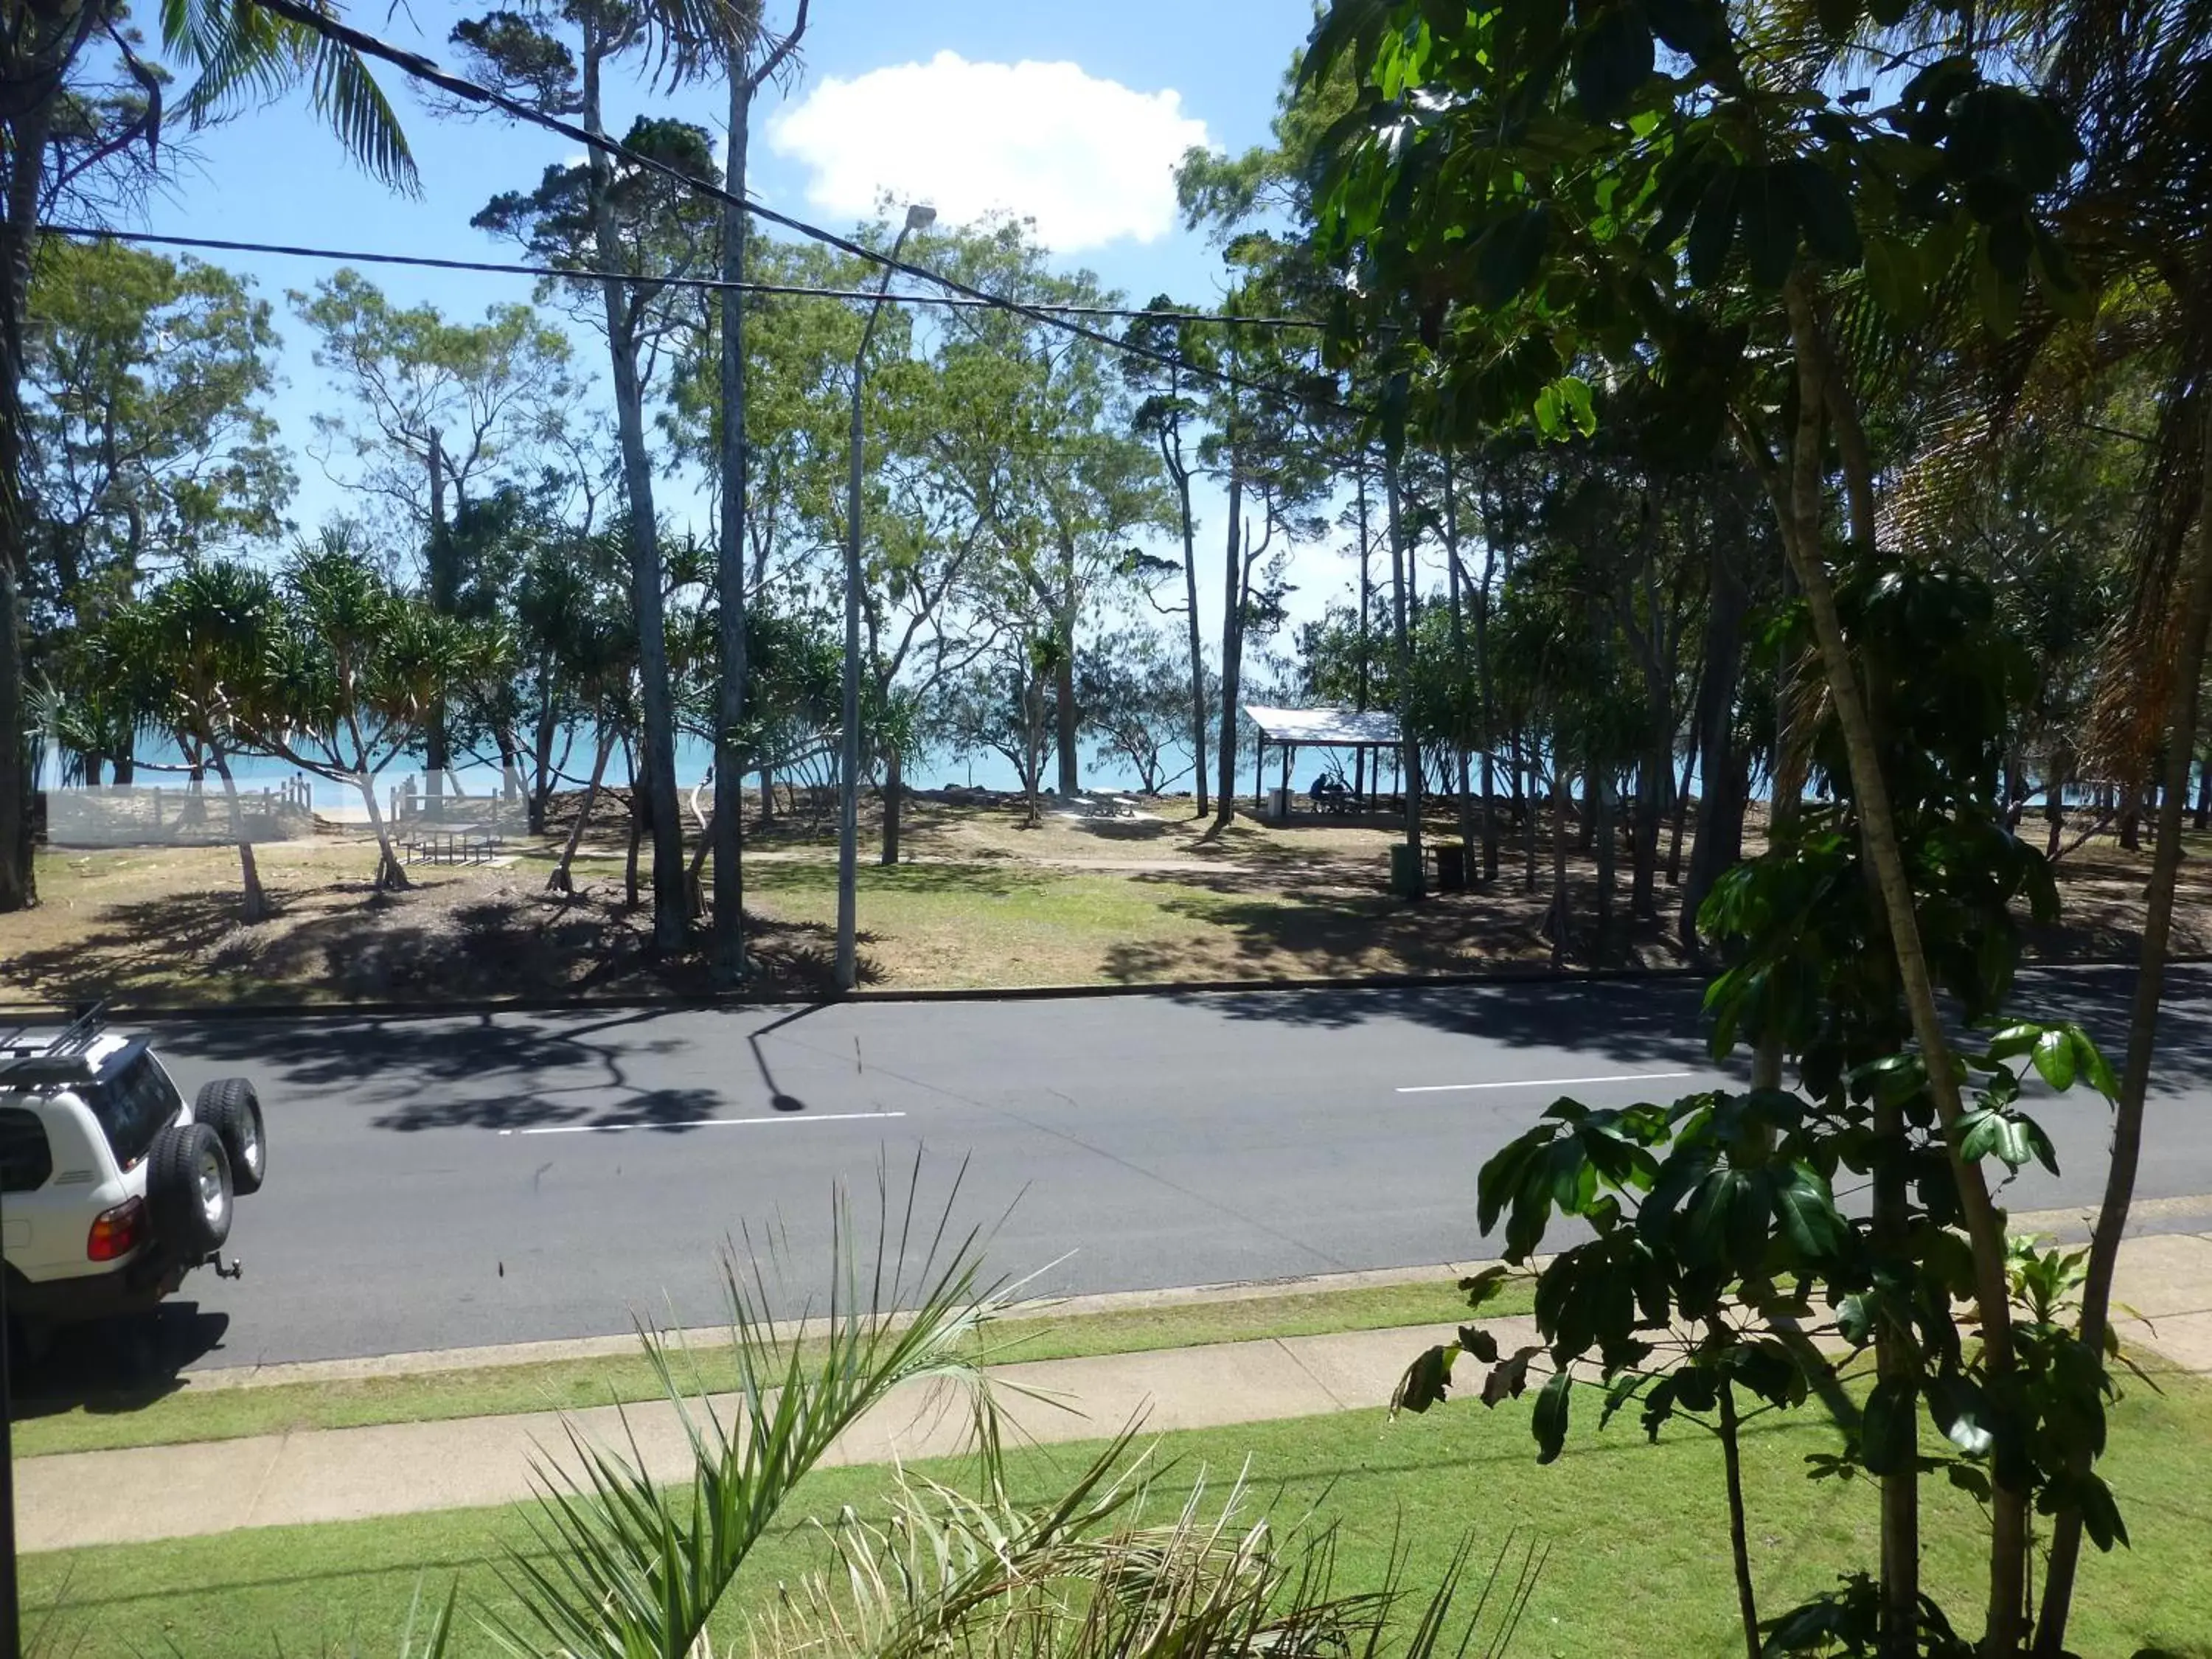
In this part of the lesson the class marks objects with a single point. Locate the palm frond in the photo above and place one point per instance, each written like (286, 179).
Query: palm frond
(246, 54)
(627, 1568)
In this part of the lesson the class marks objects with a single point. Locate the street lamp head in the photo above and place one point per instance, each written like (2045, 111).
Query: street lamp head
(921, 216)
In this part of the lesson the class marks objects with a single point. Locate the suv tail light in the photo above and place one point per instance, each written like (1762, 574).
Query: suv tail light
(118, 1232)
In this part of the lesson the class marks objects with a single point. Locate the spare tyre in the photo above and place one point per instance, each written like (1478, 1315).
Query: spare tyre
(188, 1191)
(230, 1108)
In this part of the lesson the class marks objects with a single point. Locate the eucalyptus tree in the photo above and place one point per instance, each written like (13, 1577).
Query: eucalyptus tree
(146, 443)
(1040, 442)
(1172, 415)
(82, 113)
(148, 439)
(636, 227)
(752, 56)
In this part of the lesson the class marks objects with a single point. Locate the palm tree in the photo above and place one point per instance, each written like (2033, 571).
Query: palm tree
(58, 142)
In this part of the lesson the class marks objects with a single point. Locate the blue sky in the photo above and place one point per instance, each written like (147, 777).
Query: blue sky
(1068, 112)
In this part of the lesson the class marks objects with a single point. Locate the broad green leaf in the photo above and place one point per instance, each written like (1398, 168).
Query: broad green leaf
(1426, 1381)
(1480, 1287)
(1696, 28)
(1807, 1212)
(2090, 1063)
(1958, 1408)
(2055, 1058)
(1830, 232)
(1979, 1132)
(2015, 1041)
(1613, 58)
(1549, 1422)
(1838, 18)
(1770, 225)
(1714, 228)
(1480, 1343)
(1509, 254)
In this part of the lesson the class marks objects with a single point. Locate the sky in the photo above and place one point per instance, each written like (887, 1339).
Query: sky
(1072, 114)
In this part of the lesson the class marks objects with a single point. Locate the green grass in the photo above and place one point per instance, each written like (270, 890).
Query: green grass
(227, 1413)
(1638, 1566)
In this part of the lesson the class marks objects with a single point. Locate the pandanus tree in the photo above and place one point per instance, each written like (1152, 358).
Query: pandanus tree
(351, 670)
(206, 633)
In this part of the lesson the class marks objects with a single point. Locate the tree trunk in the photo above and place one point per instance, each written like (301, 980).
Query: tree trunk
(561, 881)
(1719, 840)
(1467, 833)
(26, 133)
(671, 909)
(894, 795)
(255, 907)
(1225, 804)
(641, 811)
(2131, 816)
(391, 876)
(1682, 793)
(1489, 712)
(1746, 1602)
(1198, 709)
(1607, 842)
(1562, 797)
(1524, 772)
(2203, 813)
(1065, 713)
(1409, 739)
(437, 756)
(2143, 1037)
(726, 934)
(1802, 540)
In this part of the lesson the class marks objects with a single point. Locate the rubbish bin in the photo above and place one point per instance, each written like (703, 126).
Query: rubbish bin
(1279, 804)
(1405, 871)
(1451, 868)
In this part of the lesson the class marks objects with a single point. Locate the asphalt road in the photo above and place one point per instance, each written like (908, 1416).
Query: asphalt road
(450, 1182)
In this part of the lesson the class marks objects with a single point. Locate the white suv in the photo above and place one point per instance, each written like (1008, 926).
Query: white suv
(111, 1187)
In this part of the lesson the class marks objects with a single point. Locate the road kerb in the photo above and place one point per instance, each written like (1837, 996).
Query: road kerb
(434, 1361)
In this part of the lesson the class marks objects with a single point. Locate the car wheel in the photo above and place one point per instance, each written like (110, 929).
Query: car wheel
(230, 1108)
(188, 1190)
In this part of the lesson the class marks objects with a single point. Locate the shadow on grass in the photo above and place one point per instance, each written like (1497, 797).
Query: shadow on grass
(992, 879)
(115, 1366)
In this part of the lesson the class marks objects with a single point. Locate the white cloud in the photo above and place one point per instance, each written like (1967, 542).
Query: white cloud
(1091, 161)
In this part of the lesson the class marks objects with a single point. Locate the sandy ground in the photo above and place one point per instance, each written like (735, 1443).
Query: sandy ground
(979, 899)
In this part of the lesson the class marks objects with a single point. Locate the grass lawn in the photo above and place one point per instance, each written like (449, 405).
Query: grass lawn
(1638, 1566)
(100, 1421)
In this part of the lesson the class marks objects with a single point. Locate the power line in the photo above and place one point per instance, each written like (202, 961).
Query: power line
(507, 268)
(424, 68)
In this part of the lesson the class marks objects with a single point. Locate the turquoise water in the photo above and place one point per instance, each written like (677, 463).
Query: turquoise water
(986, 770)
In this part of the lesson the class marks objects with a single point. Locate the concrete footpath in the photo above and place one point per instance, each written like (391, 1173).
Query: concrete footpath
(76, 1498)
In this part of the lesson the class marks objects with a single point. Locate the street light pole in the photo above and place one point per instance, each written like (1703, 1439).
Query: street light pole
(918, 217)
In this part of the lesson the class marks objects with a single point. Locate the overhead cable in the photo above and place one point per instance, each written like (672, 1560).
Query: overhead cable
(424, 68)
(515, 268)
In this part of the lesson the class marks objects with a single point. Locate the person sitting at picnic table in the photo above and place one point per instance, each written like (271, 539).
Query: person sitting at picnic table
(1328, 791)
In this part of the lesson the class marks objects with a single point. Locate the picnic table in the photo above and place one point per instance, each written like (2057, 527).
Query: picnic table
(449, 847)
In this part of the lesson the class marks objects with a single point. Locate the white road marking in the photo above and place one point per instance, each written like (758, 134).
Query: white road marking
(702, 1123)
(1531, 1083)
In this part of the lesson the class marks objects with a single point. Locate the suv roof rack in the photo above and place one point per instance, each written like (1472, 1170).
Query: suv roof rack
(65, 1059)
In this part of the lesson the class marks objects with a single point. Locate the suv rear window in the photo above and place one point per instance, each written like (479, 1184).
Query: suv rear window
(133, 1106)
(26, 1160)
